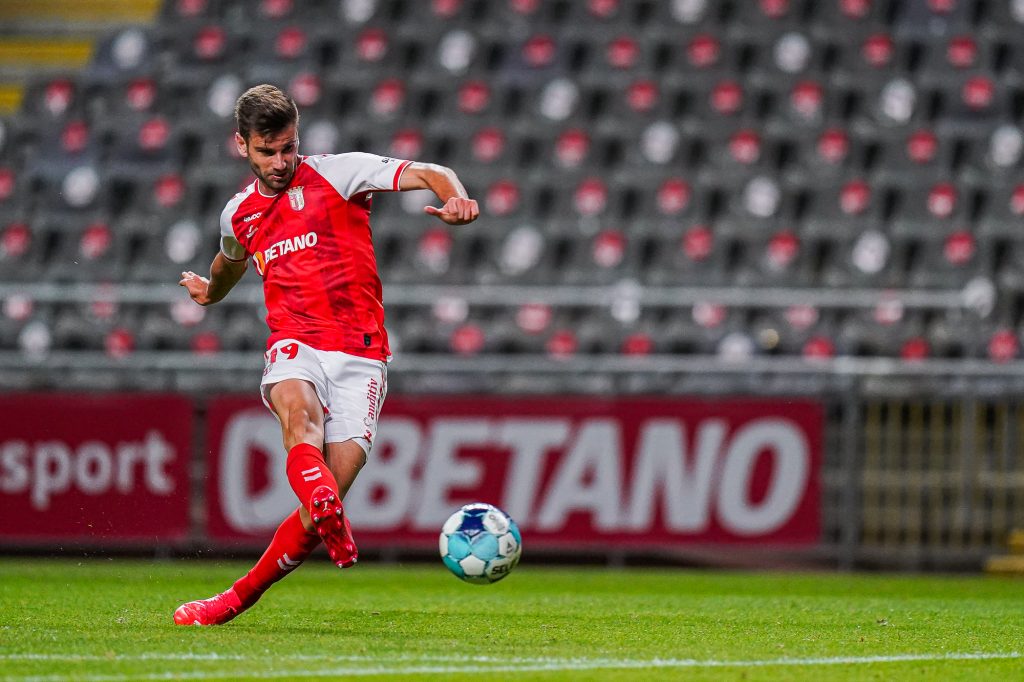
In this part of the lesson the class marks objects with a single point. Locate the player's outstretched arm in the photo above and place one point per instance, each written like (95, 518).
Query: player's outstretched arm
(224, 275)
(458, 208)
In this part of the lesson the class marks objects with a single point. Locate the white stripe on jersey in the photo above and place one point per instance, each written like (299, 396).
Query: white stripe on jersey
(355, 172)
(229, 245)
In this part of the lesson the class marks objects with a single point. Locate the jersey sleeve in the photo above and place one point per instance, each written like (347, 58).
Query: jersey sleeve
(357, 172)
(229, 245)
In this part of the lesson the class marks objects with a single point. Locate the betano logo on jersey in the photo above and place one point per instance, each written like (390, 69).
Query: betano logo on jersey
(304, 241)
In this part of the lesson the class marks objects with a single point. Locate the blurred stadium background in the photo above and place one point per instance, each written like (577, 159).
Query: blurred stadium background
(747, 286)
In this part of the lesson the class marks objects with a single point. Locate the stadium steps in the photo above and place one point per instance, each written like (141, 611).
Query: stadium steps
(80, 13)
(10, 97)
(42, 36)
(1012, 563)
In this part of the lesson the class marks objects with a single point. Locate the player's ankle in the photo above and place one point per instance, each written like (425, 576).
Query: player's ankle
(247, 593)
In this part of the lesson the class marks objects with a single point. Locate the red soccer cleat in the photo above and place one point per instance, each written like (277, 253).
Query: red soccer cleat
(216, 610)
(332, 525)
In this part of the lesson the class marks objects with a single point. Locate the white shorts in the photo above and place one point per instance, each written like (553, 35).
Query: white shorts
(350, 388)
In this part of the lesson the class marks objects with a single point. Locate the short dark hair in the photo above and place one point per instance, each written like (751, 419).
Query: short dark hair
(264, 110)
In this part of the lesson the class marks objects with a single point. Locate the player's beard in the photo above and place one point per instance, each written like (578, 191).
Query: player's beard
(270, 182)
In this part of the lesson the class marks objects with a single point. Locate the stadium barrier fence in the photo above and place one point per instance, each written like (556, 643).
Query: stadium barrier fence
(918, 468)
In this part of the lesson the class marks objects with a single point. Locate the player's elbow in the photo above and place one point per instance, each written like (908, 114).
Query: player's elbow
(436, 173)
(443, 170)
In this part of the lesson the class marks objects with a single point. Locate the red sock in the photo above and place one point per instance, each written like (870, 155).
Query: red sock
(307, 471)
(291, 545)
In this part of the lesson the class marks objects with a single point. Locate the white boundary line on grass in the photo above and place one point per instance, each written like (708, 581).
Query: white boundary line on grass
(427, 665)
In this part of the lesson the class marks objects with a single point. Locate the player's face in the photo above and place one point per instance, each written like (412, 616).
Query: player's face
(272, 158)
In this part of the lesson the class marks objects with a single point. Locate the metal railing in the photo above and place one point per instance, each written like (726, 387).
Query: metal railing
(472, 294)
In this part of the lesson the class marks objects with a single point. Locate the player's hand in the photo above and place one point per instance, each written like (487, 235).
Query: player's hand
(197, 286)
(456, 211)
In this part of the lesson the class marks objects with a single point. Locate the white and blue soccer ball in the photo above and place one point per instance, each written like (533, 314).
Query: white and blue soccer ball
(480, 543)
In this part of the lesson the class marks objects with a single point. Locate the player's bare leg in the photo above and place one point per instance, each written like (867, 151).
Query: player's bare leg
(302, 424)
(297, 406)
(346, 460)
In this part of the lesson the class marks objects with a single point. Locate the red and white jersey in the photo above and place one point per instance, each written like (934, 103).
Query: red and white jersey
(311, 244)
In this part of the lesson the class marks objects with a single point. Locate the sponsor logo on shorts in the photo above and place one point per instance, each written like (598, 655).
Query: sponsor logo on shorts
(372, 399)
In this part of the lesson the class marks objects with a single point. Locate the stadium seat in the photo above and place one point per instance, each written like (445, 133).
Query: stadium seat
(696, 14)
(277, 52)
(995, 157)
(1002, 208)
(959, 334)
(879, 332)
(754, 208)
(127, 54)
(198, 55)
(775, 259)
(929, 19)
(701, 58)
(808, 106)
(842, 209)
(868, 259)
(781, 60)
(795, 330)
(948, 263)
(971, 104)
(22, 251)
(52, 98)
(867, 60)
(17, 195)
(178, 11)
(1009, 264)
(823, 157)
(954, 54)
(67, 145)
(754, 19)
(917, 157)
(688, 254)
(1000, 21)
(930, 210)
(855, 20)
(731, 157)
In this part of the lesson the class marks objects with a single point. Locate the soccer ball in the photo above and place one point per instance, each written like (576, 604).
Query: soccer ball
(480, 543)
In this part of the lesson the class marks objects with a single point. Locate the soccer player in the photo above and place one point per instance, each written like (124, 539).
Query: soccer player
(304, 223)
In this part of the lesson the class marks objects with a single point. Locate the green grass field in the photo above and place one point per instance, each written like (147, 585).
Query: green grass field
(111, 620)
